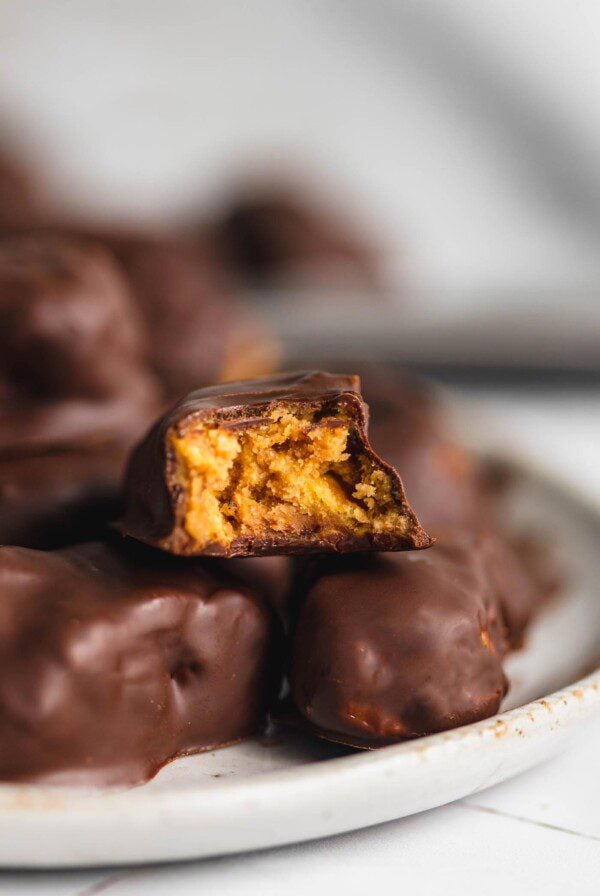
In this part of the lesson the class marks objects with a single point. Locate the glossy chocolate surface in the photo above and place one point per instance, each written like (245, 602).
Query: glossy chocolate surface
(271, 576)
(395, 646)
(56, 499)
(71, 369)
(113, 662)
(154, 501)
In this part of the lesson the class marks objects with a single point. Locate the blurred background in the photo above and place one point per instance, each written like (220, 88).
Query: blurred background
(417, 182)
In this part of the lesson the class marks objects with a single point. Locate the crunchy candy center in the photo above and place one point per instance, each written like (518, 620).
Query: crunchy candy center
(290, 473)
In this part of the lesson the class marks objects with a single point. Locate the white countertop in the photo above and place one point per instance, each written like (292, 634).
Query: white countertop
(539, 833)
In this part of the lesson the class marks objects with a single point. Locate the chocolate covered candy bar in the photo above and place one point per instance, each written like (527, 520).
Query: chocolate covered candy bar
(278, 465)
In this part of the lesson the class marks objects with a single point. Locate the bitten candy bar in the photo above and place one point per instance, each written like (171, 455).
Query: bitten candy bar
(278, 465)
(114, 661)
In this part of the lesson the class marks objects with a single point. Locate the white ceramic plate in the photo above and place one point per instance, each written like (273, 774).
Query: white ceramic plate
(293, 788)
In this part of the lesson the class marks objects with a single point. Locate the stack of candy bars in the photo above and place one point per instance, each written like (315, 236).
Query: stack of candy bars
(253, 557)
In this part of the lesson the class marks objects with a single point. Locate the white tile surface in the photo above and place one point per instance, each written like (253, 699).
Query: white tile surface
(448, 851)
(564, 793)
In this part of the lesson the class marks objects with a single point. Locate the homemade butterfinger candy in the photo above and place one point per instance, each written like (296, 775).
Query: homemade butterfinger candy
(394, 646)
(275, 237)
(197, 332)
(55, 499)
(194, 331)
(449, 488)
(71, 352)
(113, 662)
(275, 465)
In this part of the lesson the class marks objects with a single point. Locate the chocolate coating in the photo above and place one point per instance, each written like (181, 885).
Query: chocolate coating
(197, 332)
(111, 663)
(272, 576)
(444, 481)
(277, 237)
(18, 192)
(154, 501)
(519, 592)
(71, 367)
(395, 646)
(52, 500)
(449, 488)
